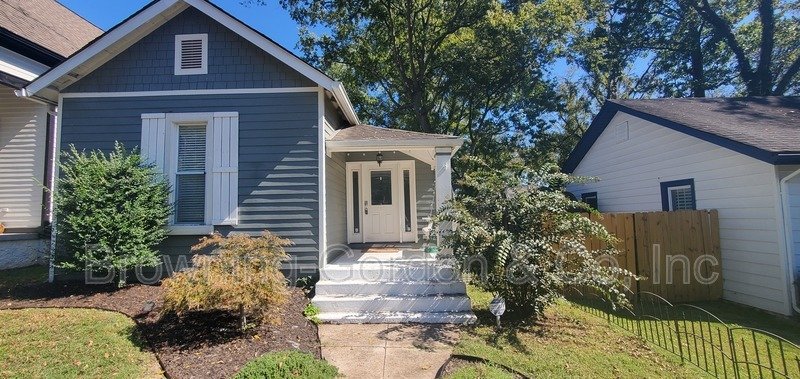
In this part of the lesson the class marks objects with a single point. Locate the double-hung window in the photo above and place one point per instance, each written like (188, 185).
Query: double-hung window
(678, 195)
(190, 175)
(199, 154)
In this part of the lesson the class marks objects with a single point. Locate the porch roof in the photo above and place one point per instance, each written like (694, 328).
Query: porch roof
(373, 137)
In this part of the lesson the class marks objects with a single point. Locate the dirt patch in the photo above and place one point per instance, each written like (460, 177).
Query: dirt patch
(199, 345)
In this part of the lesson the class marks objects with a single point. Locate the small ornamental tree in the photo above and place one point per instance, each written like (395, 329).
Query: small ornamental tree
(522, 239)
(242, 275)
(111, 211)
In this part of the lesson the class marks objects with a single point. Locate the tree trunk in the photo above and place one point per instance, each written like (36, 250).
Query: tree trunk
(697, 71)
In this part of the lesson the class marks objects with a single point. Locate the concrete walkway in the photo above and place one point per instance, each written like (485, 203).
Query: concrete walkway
(379, 351)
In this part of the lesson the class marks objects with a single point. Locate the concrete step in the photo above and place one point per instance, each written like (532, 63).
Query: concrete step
(397, 317)
(389, 272)
(363, 287)
(386, 303)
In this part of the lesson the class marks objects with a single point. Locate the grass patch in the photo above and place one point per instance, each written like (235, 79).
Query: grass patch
(567, 343)
(710, 340)
(24, 275)
(287, 365)
(477, 370)
(72, 343)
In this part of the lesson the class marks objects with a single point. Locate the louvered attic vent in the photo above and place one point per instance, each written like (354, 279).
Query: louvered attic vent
(191, 54)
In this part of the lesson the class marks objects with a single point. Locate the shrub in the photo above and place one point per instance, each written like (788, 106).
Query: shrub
(111, 211)
(518, 224)
(287, 364)
(243, 276)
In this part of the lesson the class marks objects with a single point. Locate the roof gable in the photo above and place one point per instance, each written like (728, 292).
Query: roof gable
(148, 64)
(148, 19)
(727, 131)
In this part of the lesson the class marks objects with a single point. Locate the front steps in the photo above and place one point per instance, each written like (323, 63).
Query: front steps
(392, 292)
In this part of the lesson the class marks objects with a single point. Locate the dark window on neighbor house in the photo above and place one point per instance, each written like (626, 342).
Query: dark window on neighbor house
(678, 195)
(590, 198)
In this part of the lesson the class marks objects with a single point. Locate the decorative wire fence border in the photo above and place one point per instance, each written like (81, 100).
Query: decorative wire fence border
(698, 337)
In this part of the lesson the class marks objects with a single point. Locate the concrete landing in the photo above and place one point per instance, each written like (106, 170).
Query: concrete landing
(386, 351)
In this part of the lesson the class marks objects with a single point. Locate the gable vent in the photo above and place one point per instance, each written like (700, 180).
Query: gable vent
(191, 54)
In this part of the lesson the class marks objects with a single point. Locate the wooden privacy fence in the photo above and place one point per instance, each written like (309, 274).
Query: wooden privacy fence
(678, 253)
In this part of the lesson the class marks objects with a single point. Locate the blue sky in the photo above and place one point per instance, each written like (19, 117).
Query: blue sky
(269, 19)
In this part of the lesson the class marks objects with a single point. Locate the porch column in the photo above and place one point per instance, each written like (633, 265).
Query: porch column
(444, 173)
(444, 185)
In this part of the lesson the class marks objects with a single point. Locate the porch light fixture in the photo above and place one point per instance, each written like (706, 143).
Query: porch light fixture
(379, 158)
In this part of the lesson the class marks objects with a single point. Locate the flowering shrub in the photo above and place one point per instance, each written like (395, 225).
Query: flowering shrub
(243, 275)
(522, 239)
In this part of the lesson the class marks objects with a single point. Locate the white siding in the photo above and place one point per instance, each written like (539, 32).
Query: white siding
(743, 189)
(793, 202)
(23, 130)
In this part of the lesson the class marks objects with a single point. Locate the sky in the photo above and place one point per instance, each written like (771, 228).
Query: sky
(269, 19)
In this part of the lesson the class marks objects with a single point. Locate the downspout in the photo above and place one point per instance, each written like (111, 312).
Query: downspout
(787, 233)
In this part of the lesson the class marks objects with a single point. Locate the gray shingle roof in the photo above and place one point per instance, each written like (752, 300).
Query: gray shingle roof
(769, 123)
(368, 132)
(48, 24)
(766, 128)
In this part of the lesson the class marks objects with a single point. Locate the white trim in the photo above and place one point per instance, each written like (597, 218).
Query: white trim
(264, 43)
(203, 69)
(787, 244)
(396, 167)
(156, 15)
(51, 270)
(190, 230)
(102, 46)
(191, 92)
(20, 66)
(393, 144)
(323, 247)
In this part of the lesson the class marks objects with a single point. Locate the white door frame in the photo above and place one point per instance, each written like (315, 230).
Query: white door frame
(398, 168)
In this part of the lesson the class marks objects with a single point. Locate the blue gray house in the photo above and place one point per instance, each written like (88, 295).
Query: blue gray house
(252, 138)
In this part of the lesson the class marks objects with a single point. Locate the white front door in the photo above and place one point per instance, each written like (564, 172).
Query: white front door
(381, 203)
(377, 197)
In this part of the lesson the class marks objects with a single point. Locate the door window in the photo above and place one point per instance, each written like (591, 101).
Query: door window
(381, 187)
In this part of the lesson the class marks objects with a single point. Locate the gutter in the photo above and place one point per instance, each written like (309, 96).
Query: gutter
(340, 94)
(787, 233)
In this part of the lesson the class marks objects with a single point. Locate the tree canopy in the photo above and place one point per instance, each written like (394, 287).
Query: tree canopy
(523, 78)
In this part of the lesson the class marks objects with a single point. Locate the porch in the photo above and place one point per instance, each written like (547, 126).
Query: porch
(383, 187)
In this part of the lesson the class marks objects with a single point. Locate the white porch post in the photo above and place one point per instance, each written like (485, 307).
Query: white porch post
(444, 182)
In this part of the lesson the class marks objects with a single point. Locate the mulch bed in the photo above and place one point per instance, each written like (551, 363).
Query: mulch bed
(200, 345)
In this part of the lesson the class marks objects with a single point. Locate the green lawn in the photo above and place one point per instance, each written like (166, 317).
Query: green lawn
(710, 340)
(72, 343)
(568, 343)
(25, 275)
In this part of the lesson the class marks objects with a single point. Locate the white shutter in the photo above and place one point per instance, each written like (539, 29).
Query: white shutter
(225, 169)
(154, 140)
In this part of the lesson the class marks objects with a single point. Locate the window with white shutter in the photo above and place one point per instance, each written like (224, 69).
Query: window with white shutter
(190, 175)
(191, 54)
(199, 154)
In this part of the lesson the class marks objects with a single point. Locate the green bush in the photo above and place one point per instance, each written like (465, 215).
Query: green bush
(522, 239)
(287, 364)
(111, 211)
(242, 276)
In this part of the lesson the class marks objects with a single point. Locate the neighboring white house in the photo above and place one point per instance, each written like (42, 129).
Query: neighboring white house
(34, 36)
(739, 156)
